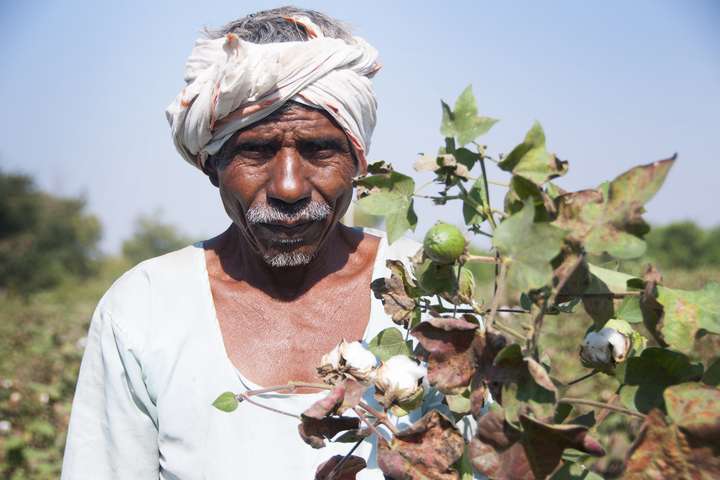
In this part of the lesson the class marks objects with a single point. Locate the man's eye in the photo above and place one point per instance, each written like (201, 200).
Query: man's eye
(256, 149)
(320, 149)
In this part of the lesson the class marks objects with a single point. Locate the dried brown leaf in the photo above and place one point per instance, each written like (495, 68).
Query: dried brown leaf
(425, 450)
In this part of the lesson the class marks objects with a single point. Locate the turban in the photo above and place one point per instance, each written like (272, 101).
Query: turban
(231, 84)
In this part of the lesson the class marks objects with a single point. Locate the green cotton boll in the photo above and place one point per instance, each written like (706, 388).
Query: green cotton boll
(444, 243)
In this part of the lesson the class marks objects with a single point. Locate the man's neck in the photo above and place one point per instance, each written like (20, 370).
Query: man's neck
(239, 261)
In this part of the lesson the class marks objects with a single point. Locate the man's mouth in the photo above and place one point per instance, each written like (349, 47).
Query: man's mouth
(289, 234)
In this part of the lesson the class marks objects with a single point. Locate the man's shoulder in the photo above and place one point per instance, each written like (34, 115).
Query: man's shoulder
(159, 277)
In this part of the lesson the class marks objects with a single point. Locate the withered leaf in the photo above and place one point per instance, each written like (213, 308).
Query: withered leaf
(608, 219)
(663, 450)
(503, 452)
(496, 451)
(450, 358)
(425, 450)
(347, 471)
(317, 423)
(397, 293)
(314, 431)
(544, 443)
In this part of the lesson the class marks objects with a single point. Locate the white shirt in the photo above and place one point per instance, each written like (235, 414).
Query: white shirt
(154, 363)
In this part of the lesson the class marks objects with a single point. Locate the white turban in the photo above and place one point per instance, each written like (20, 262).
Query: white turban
(231, 83)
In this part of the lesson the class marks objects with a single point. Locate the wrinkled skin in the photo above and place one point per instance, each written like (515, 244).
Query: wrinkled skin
(291, 313)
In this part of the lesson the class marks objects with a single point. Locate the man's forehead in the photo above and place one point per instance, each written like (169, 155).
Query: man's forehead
(301, 120)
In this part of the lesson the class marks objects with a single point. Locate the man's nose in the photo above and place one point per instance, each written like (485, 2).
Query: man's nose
(288, 183)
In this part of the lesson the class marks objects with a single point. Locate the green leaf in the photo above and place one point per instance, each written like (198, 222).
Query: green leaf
(528, 247)
(647, 376)
(464, 466)
(383, 203)
(459, 404)
(687, 312)
(400, 221)
(227, 402)
(388, 343)
(531, 159)
(463, 122)
(475, 205)
(391, 181)
(712, 374)
(629, 310)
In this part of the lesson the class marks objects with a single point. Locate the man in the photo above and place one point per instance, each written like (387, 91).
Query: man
(278, 111)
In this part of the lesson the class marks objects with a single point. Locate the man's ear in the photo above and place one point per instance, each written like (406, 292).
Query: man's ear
(210, 169)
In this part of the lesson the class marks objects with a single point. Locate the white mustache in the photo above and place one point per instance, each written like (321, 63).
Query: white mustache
(306, 212)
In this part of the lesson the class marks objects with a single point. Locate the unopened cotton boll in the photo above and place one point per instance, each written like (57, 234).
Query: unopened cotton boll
(398, 379)
(604, 348)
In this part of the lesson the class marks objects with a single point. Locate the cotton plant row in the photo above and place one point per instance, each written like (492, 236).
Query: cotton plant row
(553, 252)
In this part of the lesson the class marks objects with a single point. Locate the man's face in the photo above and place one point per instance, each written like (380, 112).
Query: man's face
(285, 182)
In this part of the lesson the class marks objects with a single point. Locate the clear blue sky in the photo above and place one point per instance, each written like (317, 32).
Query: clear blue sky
(84, 86)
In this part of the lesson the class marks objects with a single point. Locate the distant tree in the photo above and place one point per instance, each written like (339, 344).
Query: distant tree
(681, 245)
(152, 237)
(43, 238)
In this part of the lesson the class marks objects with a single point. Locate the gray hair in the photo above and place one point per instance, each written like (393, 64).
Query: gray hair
(269, 26)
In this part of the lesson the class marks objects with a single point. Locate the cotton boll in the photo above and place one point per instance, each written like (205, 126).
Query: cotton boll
(605, 348)
(347, 360)
(398, 379)
(359, 360)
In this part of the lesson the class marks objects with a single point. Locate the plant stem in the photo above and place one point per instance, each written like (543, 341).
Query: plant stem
(424, 185)
(499, 184)
(580, 379)
(342, 461)
(370, 425)
(481, 259)
(487, 193)
(245, 397)
(499, 292)
(292, 386)
(380, 416)
(509, 330)
(538, 320)
(593, 403)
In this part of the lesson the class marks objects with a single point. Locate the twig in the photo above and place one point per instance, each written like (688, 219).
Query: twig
(370, 425)
(482, 259)
(487, 193)
(380, 416)
(584, 377)
(246, 398)
(291, 386)
(605, 412)
(342, 461)
(509, 330)
(538, 320)
(499, 292)
(593, 403)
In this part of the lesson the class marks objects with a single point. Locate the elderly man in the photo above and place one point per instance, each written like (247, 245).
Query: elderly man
(278, 111)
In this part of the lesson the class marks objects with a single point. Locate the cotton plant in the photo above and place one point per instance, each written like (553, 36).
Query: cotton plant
(547, 245)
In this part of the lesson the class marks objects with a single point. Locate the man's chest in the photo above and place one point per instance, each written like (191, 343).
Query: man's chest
(272, 342)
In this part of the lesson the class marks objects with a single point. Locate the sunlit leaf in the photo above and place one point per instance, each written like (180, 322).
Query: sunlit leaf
(475, 205)
(226, 402)
(388, 343)
(531, 159)
(463, 122)
(528, 247)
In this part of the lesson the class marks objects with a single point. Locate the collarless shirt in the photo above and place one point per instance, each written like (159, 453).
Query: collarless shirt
(154, 363)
